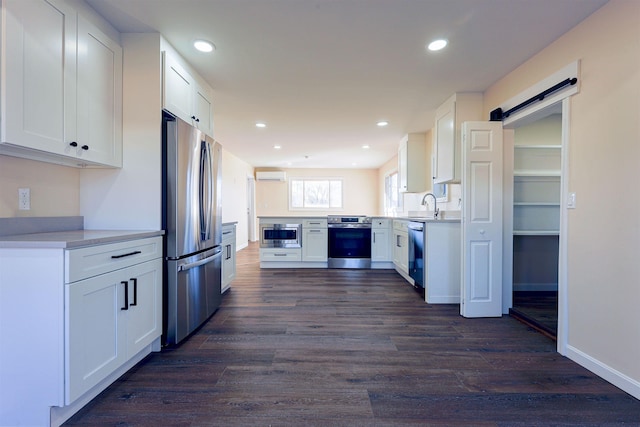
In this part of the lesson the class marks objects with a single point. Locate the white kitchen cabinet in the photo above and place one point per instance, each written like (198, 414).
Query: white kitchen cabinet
(442, 262)
(77, 332)
(280, 255)
(62, 86)
(412, 163)
(401, 247)
(228, 255)
(183, 96)
(315, 240)
(380, 240)
(459, 108)
(110, 318)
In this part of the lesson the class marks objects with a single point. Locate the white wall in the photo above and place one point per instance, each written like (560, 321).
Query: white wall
(604, 148)
(234, 195)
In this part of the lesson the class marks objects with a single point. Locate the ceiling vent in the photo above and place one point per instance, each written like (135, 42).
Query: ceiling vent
(271, 176)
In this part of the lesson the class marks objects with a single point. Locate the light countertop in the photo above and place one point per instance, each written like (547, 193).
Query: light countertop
(74, 238)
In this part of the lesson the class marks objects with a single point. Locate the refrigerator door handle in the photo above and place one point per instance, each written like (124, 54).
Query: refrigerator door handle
(184, 267)
(205, 191)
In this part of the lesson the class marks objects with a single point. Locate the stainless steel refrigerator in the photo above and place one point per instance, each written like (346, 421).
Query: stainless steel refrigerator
(192, 219)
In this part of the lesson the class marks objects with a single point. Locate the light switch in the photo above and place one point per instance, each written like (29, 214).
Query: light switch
(571, 201)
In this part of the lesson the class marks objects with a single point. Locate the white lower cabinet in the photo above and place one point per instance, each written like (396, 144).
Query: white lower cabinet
(228, 256)
(92, 312)
(280, 255)
(315, 240)
(380, 240)
(110, 318)
(401, 247)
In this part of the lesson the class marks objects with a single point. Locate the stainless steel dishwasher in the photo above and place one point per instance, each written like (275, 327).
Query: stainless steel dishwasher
(416, 253)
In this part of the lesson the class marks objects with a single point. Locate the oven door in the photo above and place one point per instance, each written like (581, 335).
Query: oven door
(349, 247)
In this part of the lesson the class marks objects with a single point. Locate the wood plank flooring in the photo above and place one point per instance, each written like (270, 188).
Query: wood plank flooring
(354, 348)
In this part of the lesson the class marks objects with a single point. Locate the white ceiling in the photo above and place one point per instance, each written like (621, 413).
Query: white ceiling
(321, 73)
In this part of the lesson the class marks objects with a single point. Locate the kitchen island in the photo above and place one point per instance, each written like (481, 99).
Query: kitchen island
(287, 241)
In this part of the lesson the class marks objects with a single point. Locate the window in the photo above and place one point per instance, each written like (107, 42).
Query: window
(392, 195)
(315, 193)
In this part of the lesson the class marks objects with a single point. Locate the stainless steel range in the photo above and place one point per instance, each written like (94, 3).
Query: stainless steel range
(349, 241)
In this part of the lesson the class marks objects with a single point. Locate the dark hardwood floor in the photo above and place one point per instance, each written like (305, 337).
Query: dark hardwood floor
(354, 348)
(538, 309)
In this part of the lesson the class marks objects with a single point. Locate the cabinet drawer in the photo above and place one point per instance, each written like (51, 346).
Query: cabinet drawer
(228, 233)
(93, 260)
(380, 223)
(280, 255)
(314, 223)
(400, 225)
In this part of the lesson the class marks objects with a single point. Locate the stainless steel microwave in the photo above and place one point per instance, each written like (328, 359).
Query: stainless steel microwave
(280, 235)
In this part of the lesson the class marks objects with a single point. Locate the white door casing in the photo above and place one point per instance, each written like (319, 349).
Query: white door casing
(481, 219)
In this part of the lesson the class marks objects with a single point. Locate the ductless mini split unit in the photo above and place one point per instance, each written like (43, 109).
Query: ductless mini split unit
(271, 176)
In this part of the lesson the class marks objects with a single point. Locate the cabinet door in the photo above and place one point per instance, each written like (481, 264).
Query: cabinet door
(177, 89)
(228, 264)
(95, 331)
(203, 110)
(144, 316)
(401, 251)
(315, 245)
(99, 115)
(380, 248)
(38, 79)
(444, 144)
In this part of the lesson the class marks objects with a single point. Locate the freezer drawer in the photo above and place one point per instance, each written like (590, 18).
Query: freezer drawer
(192, 293)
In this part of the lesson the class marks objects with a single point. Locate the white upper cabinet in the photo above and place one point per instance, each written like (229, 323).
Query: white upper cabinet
(459, 108)
(183, 96)
(61, 86)
(412, 163)
(99, 123)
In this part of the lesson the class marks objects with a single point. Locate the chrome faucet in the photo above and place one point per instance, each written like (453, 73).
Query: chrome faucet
(435, 204)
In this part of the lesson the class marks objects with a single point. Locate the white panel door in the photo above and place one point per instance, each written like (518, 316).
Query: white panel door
(481, 219)
(38, 76)
(99, 96)
(177, 89)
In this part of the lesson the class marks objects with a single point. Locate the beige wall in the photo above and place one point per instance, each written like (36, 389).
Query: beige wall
(234, 195)
(603, 171)
(360, 194)
(388, 168)
(54, 188)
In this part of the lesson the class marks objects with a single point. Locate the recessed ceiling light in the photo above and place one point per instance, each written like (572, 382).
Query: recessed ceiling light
(366, 147)
(204, 46)
(277, 147)
(261, 125)
(382, 123)
(437, 45)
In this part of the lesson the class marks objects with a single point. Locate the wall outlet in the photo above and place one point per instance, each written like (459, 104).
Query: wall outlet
(24, 199)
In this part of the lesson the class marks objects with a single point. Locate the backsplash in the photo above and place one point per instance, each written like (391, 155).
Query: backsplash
(30, 225)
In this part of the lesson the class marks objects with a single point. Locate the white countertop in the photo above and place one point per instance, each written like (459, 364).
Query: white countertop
(74, 239)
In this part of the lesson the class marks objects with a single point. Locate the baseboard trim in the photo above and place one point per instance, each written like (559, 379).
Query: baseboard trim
(604, 371)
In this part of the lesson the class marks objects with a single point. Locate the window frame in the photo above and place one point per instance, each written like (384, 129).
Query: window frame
(316, 178)
(388, 209)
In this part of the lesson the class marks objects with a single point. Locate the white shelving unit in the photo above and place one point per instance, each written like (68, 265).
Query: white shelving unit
(536, 205)
(536, 190)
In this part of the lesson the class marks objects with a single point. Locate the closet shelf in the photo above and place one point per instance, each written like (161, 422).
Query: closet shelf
(536, 232)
